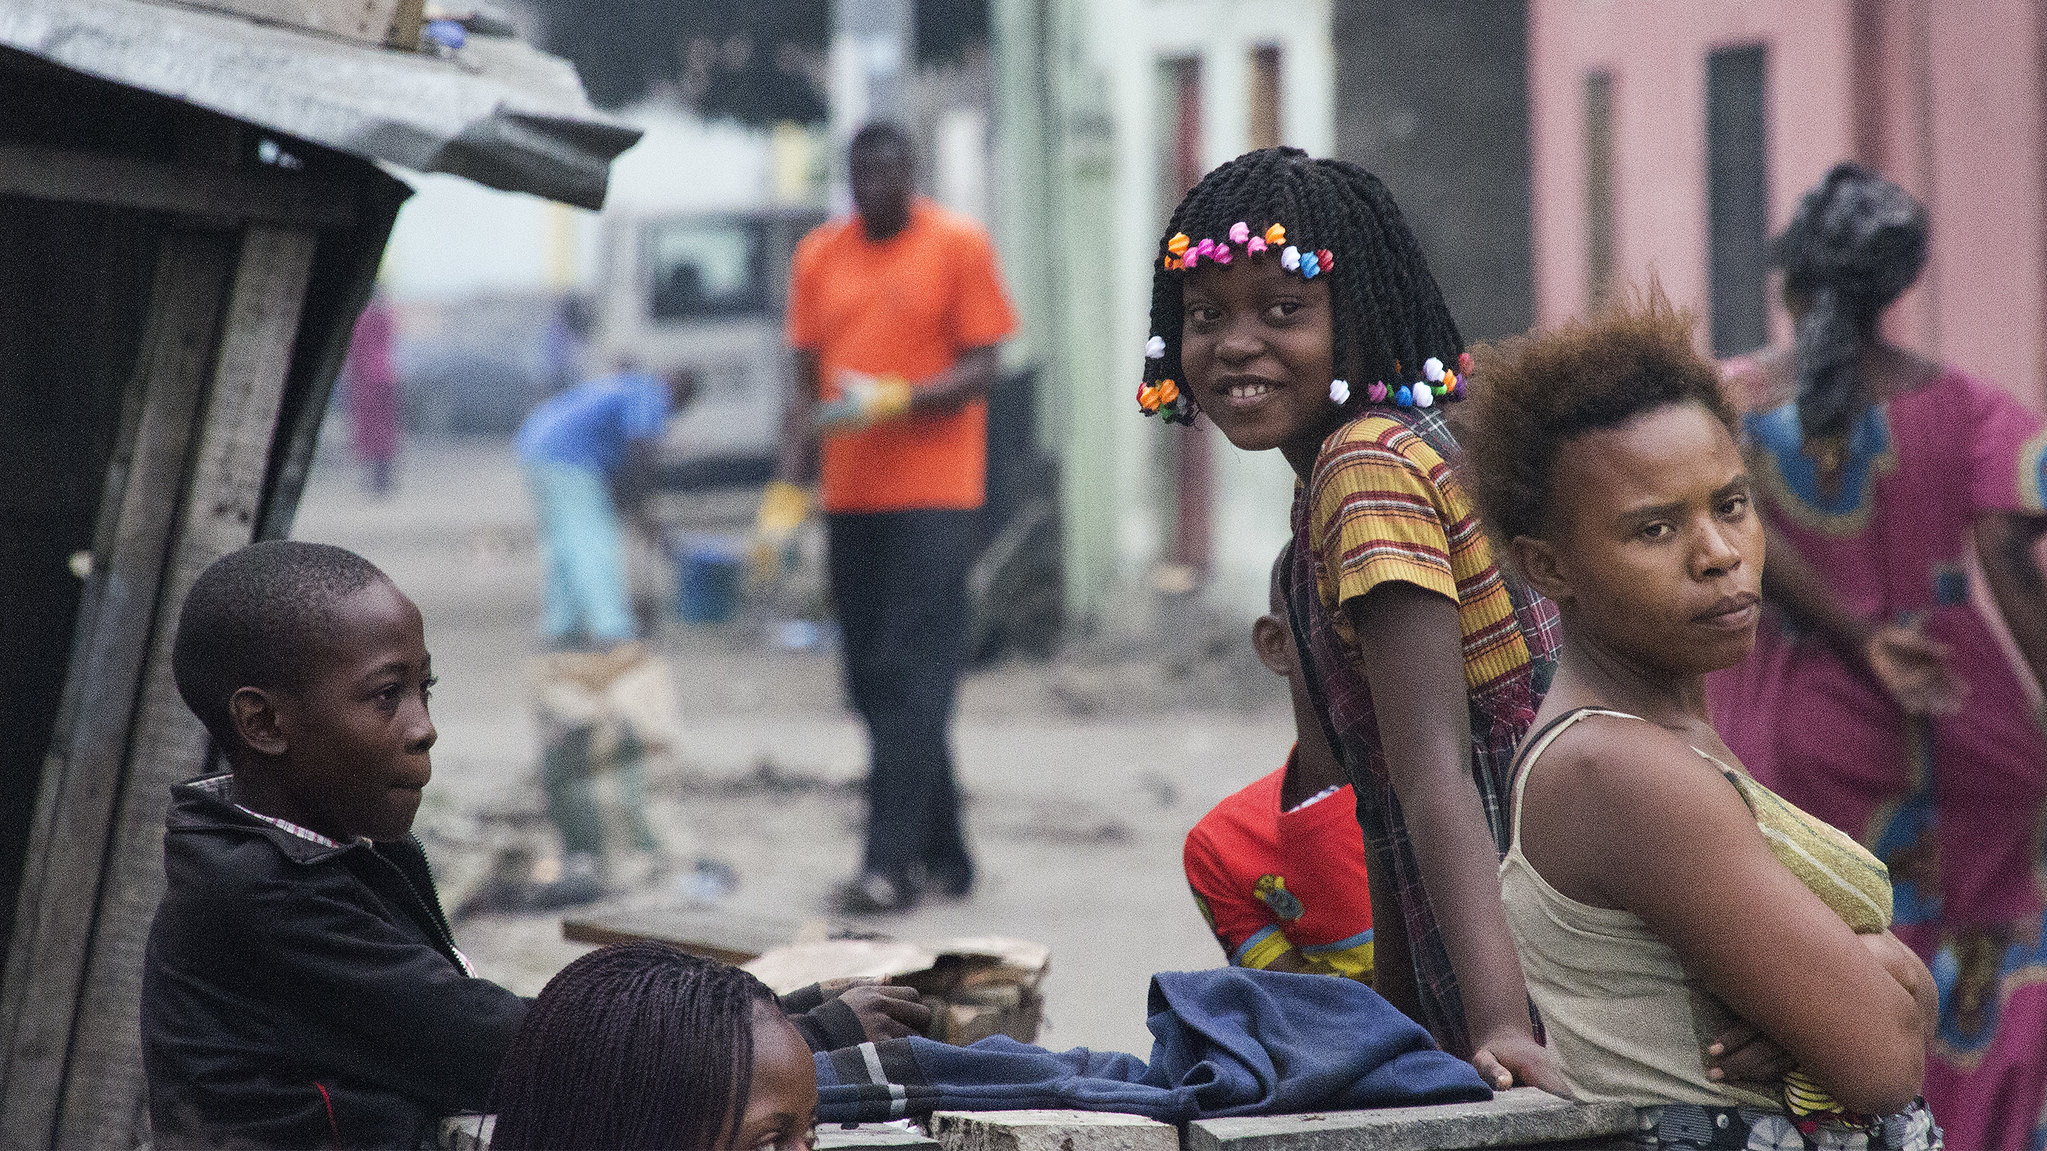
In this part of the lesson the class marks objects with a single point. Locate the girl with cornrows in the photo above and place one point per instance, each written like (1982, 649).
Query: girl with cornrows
(1879, 697)
(1657, 892)
(1292, 305)
(640, 1047)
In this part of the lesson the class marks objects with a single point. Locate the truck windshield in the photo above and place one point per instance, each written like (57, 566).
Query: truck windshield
(706, 267)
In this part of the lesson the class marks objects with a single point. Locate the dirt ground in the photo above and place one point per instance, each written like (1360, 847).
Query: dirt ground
(1082, 774)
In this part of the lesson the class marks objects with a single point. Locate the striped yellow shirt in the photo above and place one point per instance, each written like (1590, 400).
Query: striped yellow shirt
(1385, 507)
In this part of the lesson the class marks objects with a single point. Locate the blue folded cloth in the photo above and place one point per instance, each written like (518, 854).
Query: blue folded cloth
(1233, 1041)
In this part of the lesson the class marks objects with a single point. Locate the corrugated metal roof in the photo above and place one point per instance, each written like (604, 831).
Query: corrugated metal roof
(501, 114)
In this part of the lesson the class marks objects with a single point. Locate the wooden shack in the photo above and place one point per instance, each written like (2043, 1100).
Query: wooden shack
(193, 206)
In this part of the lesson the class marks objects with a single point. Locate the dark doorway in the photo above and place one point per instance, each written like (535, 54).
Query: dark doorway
(73, 300)
(1737, 190)
(1599, 223)
(1433, 99)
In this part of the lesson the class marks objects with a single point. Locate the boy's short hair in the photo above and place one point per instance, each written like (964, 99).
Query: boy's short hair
(256, 618)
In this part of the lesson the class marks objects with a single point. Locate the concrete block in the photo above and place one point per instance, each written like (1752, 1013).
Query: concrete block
(1522, 1117)
(865, 1136)
(1051, 1131)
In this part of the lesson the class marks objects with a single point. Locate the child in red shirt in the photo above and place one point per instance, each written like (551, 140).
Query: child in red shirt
(1278, 869)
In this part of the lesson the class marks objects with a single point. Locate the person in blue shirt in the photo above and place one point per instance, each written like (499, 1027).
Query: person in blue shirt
(588, 456)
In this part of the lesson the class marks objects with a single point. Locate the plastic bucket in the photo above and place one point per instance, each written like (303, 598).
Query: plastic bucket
(710, 571)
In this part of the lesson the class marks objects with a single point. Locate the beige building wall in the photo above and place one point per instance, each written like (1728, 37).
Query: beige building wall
(1081, 130)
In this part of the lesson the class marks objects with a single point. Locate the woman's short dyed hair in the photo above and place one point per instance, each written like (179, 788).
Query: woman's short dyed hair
(1532, 395)
(633, 1046)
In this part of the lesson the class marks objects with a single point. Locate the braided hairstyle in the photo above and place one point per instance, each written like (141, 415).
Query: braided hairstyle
(1855, 244)
(633, 1046)
(1389, 314)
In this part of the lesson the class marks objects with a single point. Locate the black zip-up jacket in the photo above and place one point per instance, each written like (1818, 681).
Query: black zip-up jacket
(298, 995)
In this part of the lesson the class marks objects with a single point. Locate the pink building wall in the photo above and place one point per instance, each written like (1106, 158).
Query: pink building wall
(1947, 99)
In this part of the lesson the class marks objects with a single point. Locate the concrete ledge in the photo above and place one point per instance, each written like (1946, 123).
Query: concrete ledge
(832, 1137)
(1517, 1118)
(1051, 1131)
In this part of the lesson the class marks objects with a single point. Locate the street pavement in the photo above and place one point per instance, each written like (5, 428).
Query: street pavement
(1081, 778)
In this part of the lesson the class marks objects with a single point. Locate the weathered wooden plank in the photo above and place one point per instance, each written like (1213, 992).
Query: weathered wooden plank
(81, 777)
(224, 492)
(832, 1137)
(263, 195)
(344, 277)
(1051, 1131)
(1522, 1117)
(369, 21)
(726, 936)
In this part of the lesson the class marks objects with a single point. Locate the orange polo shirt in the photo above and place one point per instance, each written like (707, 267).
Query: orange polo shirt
(907, 306)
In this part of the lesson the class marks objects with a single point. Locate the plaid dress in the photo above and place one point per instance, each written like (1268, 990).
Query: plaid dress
(1382, 506)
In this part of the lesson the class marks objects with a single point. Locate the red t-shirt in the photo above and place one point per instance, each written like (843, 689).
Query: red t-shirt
(907, 306)
(1267, 879)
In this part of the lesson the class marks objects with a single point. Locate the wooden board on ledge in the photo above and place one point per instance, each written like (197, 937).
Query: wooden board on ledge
(392, 22)
(711, 932)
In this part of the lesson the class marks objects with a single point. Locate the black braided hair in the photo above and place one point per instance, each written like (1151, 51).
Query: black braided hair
(1855, 244)
(633, 1046)
(1389, 313)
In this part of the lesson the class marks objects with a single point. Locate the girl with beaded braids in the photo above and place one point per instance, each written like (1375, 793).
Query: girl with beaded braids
(1293, 306)
(1879, 697)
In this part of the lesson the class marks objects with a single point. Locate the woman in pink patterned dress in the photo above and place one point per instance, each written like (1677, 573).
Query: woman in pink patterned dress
(1879, 697)
(370, 389)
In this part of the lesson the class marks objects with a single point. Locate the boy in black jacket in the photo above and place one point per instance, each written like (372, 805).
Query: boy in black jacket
(301, 987)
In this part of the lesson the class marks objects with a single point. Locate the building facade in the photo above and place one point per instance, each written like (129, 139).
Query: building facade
(1106, 112)
(1672, 140)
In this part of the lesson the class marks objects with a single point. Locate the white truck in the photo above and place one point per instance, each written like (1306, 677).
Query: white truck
(704, 292)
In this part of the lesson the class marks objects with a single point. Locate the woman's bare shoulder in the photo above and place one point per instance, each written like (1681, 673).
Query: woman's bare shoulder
(1604, 796)
(1618, 767)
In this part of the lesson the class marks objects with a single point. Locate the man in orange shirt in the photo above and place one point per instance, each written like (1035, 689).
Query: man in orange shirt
(895, 314)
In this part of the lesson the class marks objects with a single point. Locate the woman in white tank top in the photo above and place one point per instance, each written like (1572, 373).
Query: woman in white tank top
(1656, 894)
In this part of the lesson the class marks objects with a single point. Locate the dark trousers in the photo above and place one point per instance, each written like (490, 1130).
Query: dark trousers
(899, 584)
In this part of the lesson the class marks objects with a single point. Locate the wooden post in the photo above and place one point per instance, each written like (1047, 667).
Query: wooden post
(368, 21)
(344, 278)
(224, 492)
(208, 191)
(406, 22)
(60, 886)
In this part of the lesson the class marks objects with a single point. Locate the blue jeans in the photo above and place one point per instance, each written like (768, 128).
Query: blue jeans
(584, 550)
